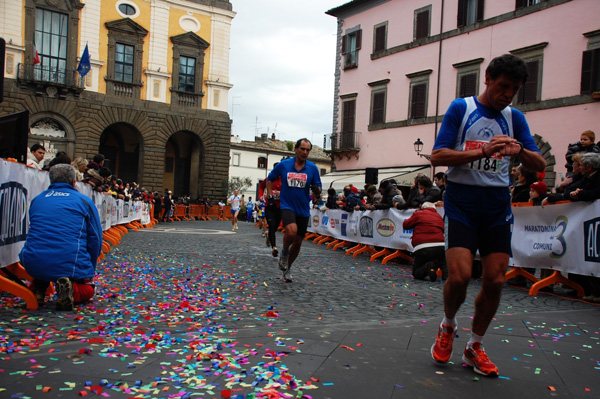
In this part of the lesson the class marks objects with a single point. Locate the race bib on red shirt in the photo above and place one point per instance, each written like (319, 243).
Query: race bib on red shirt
(297, 180)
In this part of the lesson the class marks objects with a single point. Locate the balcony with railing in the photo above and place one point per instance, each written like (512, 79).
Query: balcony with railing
(343, 144)
(50, 80)
(123, 89)
(186, 99)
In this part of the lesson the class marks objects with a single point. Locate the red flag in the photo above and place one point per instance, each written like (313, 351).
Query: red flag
(36, 55)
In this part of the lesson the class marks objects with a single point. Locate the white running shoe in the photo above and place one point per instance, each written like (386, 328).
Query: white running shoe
(287, 275)
(283, 261)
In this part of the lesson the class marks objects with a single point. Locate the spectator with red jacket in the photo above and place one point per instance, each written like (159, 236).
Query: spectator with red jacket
(428, 242)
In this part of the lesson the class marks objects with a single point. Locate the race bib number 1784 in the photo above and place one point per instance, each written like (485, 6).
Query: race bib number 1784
(493, 164)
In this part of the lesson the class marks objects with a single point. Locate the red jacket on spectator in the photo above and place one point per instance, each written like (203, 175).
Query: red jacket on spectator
(428, 227)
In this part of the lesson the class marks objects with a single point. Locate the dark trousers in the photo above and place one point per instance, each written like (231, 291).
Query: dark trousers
(429, 258)
(166, 214)
(273, 220)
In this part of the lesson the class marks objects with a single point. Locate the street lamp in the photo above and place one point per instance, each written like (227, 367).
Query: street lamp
(419, 147)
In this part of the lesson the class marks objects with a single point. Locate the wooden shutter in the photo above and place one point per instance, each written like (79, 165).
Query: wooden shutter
(461, 17)
(418, 101)
(588, 65)
(519, 4)
(468, 85)
(344, 44)
(480, 4)
(380, 34)
(358, 39)
(528, 92)
(348, 109)
(422, 24)
(378, 107)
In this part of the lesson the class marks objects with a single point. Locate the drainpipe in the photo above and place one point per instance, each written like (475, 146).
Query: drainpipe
(437, 94)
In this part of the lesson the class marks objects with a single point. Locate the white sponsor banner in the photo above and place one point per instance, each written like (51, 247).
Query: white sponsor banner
(20, 184)
(563, 237)
(382, 228)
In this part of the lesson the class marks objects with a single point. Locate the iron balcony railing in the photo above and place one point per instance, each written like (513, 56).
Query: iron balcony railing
(343, 141)
(43, 74)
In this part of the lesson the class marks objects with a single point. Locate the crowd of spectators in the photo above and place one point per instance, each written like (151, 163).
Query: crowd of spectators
(582, 183)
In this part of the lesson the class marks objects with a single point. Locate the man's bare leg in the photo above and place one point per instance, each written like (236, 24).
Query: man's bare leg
(488, 299)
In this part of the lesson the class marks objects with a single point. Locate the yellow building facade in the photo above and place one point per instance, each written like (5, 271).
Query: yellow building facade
(154, 101)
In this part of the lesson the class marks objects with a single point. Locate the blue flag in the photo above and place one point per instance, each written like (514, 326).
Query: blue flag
(84, 62)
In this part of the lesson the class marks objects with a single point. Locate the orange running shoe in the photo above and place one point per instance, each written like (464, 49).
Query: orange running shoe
(441, 350)
(475, 357)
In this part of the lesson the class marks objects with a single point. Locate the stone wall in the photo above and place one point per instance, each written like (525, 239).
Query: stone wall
(91, 113)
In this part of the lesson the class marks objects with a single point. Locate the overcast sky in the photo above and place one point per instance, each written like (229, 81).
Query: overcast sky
(282, 68)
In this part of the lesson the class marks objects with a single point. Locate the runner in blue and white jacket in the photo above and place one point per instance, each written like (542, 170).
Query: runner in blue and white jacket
(476, 140)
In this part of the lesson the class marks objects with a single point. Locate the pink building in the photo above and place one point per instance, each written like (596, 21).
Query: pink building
(400, 64)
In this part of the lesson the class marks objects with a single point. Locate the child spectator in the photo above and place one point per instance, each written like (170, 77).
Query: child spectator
(537, 192)
(584, 145)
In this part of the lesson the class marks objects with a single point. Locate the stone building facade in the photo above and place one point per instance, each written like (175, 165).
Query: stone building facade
(155, 99)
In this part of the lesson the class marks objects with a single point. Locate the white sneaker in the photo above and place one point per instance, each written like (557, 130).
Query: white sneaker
(287, 275)
(283, 261)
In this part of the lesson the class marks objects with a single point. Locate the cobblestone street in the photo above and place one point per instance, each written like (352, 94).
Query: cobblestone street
(192, 309)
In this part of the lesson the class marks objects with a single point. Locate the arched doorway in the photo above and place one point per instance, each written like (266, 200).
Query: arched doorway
(53, 132)
(120, 144)
(183, 163)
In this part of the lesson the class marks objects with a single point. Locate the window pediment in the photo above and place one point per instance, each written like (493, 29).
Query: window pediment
(62, 5)
(128, 26)
(190, 39)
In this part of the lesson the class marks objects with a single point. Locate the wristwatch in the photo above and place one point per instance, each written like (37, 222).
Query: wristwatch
(520, 144)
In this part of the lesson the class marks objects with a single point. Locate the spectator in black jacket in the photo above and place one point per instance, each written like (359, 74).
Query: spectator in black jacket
(332, 199)
(157, 201)
(353, 201)
(389, 191)
(520, 192)
(427, 191)
(585, 189)
(584, 145)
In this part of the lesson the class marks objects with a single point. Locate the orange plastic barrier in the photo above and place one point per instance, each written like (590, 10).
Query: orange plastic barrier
(15, 288)
(180, 212)
(196, 212)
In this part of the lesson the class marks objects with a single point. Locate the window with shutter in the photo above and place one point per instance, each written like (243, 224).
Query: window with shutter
(348, 120)
(422, 29)
(526, 3)
(350, 46)
(262, 163)
(378, 107)
(348, 112)
(468, 85)
(528, 92)
(590, 71)
(469, 12)
(380, 38)
(418, 100)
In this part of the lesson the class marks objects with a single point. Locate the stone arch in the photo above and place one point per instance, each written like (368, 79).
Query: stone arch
(546, 150)
(183, 163)
(53, 131)
(108, 116)
(122, 144)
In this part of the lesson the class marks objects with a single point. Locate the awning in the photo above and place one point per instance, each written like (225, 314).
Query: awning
(404, 176)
